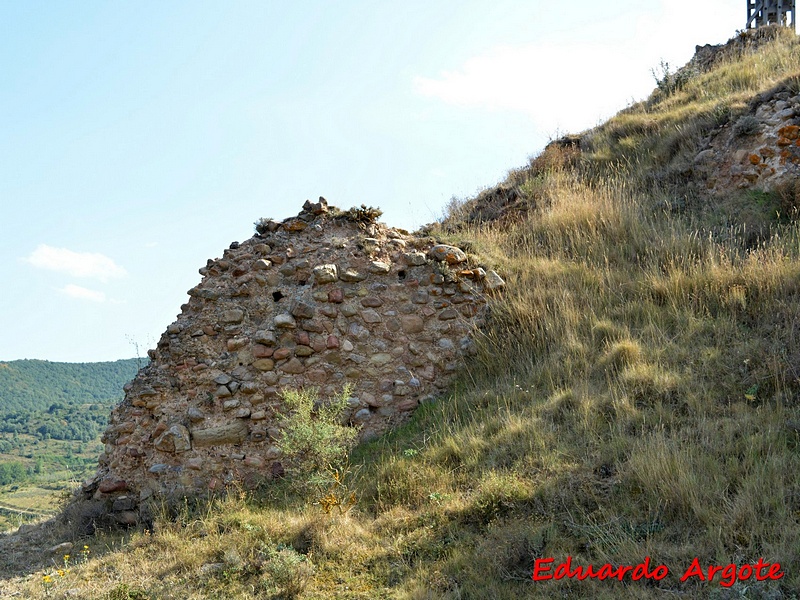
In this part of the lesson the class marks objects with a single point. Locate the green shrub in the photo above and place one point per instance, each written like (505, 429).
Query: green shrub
(262, 225)
(668, 82)
(289, 571)
(746, 125)
(366, 215)
(313, 438)
(125, 592)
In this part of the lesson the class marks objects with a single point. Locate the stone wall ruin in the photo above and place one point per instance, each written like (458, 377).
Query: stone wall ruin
(322, 299)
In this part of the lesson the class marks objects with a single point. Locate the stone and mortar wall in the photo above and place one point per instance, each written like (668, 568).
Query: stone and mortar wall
(759, 150)
(319, 300)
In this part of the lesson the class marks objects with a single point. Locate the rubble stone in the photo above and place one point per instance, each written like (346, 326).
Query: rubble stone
(311, 301)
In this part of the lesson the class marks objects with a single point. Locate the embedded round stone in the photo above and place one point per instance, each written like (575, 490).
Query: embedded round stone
(352, 276)
(293, 367)
(325, 273)
(379, 267)
(381, 358)
(371, 302)
(414, 259)
(285, 321)
(302, 310)
(493, 281)
(233, 316)
(412, 323)
(449, 254)
(264, 364)
(370, 316)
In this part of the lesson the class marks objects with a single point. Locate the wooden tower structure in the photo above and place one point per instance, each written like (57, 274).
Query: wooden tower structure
(768, 12)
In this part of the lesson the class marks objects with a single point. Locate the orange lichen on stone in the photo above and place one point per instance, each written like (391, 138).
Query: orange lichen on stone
(767, 152)
(784, 141)
(755, 159)
(791, 132)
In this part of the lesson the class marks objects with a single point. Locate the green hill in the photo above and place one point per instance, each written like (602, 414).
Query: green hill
(38, 384)
(51, 418)
(634, 396)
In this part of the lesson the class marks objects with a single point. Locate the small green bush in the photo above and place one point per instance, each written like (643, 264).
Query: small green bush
(668, 82)
(125, 592)
(365, 215)
(746, 125)
(262, 225)
(313, 437)
(289, 571)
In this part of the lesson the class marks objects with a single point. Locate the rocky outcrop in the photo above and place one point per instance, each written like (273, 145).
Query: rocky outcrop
(321, 300)
(761, 149)
(745, 42)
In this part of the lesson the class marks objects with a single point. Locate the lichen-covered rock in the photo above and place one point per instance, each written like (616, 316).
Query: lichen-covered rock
(174, 439)
(325, 274)
(449, 254)
(493, 281)
(309, 302)
(760, 149)
(415, 259)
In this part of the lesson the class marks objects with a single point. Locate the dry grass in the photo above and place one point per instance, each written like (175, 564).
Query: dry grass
(655, 141)
(629, 399)
(634, 394)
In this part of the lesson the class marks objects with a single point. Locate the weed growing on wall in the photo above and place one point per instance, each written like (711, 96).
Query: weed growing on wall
(313, 439)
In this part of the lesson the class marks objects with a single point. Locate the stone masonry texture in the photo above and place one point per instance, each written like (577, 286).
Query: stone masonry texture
(320, 300)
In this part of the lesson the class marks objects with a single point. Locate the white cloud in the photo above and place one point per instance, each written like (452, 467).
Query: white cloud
(556, 85)
(572, 85)
(151, 244)
(77, 264)
(82, 293)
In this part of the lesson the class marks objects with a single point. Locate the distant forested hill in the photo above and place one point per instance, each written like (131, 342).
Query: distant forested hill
(39, 384)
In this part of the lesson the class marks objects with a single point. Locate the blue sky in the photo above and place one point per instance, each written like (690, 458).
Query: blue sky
(138, 139)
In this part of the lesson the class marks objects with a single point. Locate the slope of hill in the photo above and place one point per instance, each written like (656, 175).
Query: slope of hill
(51, 418)
(38, 384)
(634, 398)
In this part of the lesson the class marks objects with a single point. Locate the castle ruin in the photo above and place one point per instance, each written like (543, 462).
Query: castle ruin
(320, 300)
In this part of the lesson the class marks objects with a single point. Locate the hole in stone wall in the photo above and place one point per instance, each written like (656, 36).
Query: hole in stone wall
(301, 282)
(277, 295)
(401, 275)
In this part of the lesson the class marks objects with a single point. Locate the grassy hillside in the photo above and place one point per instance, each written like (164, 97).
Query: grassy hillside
(38, 384)
(51, 418)
(635, 394)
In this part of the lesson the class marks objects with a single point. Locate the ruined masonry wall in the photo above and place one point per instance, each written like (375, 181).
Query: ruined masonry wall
(764, 155)
(318, 300)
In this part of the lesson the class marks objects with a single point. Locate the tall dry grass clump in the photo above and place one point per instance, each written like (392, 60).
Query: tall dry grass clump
(655, 140)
